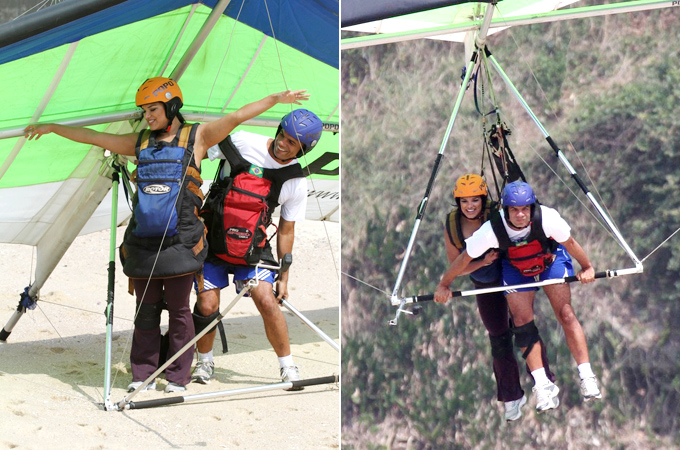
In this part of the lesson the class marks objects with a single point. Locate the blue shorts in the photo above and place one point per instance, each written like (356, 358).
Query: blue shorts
(560, 268)
(216, 275)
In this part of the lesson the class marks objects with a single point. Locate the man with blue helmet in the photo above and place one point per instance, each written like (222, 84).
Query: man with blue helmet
(536, 245)
(258, 167)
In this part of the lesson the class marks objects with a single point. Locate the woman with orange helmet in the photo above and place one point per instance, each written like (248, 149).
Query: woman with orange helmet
(164, 245)
(472, 210)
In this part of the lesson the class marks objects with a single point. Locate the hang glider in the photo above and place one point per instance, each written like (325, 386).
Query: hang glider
(83, 68)
(471, 22)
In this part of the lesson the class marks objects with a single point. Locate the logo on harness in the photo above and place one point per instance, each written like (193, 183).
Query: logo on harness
(257, 171)
(156, 189)
(239, 233)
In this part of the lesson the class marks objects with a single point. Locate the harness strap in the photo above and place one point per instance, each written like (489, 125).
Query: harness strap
(185, 134)
(536, 233)
(455, 231)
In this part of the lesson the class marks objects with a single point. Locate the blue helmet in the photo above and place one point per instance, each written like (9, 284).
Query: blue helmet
(517, 193)
(303, 125)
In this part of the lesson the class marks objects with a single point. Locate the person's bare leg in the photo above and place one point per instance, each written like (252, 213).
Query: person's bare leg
(560, 300)
(275, 325)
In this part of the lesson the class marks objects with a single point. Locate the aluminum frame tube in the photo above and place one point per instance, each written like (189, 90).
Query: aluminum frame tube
(47, 96)
(612, 273)
(505, 22)
(200, 38)
(250, 285)
(9, 326)
(135, 114)
(311, 325)
(267, 387)
(423, 203)
(110, 291)
(563, 159)
(469, 69)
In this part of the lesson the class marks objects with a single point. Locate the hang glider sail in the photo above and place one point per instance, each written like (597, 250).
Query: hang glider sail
(451, 20)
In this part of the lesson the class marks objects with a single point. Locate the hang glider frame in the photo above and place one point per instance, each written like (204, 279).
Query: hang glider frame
(126, 403)
(479, 52)
(528, 19)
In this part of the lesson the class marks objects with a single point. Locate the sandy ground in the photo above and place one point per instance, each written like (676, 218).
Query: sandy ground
(52, 365)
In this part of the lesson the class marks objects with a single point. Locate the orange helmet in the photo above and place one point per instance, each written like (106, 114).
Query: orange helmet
(164, 90)
(470, 185)
(158, 89)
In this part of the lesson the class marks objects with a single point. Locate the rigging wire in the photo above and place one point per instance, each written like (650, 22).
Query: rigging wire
(367, 284)
(659, 246)
(37, 7)
(61, 339)
(569, 142)
(304, 154)
(552, 109)
(276, 45)
(98, 313)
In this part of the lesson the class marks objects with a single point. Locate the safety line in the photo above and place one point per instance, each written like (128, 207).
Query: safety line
(659, 246)
(552, 110)
(304, 153)
(367, 284)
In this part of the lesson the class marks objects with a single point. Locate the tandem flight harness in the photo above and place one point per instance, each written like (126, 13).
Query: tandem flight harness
(239, 207)
(238, 211)
(532, 255)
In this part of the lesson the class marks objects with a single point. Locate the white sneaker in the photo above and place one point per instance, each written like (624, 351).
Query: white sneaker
(513, 409)
(291, 373)
(135, 384)
(589, 389)
(546, 397)
(174, 387)
(203, 372)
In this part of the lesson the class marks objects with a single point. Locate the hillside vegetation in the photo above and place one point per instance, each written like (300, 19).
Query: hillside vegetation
(608, 91)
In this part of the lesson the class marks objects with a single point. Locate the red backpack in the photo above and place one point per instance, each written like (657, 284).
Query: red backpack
(238, 209)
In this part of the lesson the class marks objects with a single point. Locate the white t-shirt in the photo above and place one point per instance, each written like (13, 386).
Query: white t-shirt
(554, 226)
(253, 148)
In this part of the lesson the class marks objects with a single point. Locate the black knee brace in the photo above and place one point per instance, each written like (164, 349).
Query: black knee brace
(501, 346)
(149, 315)
(526, 336)
(201, 321)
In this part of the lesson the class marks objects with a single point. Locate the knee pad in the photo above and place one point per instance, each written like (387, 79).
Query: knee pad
(501, 346)
(201, 321)
(526, 336)
(149, 315)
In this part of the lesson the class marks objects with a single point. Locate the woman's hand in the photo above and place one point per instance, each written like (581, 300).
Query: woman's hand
(490, 257)
(35, 131)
